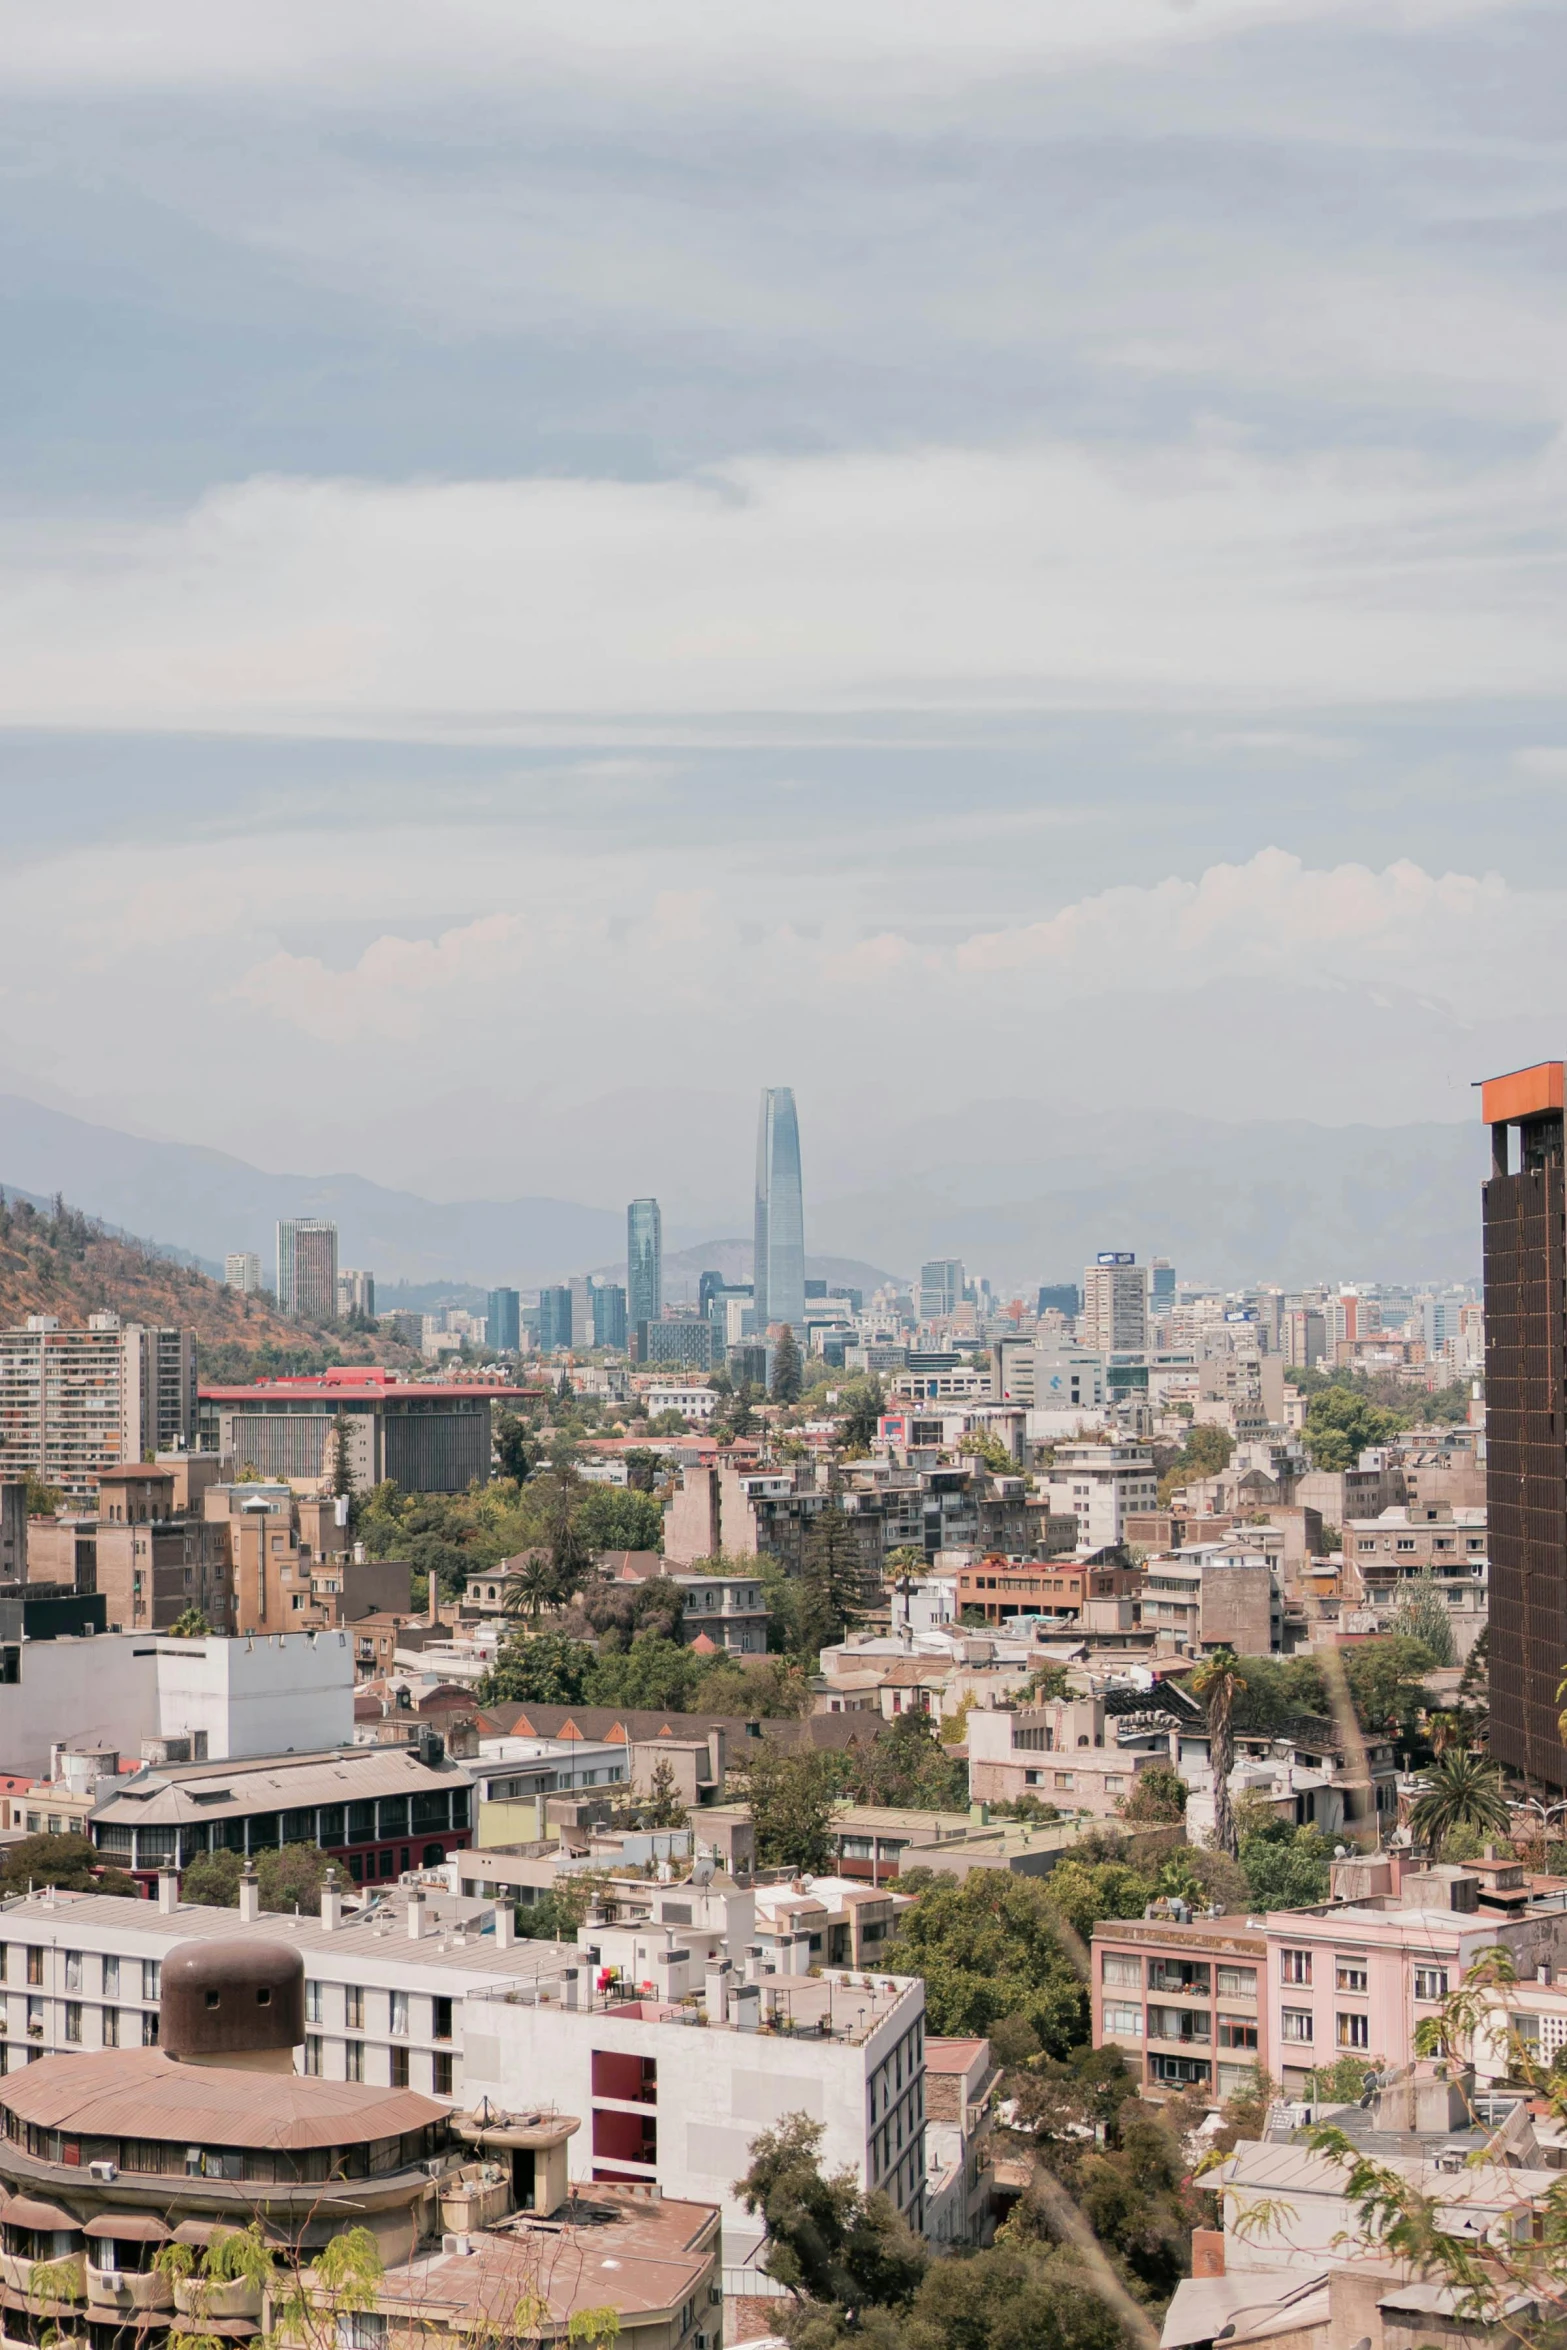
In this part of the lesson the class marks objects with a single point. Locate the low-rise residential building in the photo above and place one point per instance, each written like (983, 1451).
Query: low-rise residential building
(1356, 1976)
(1056, 1752)
(1100, 1485)
(378, 1809)
(725, 1611)
(961, 2078)
(1215, 1595)
(1184, 1999)
(1089, 1595)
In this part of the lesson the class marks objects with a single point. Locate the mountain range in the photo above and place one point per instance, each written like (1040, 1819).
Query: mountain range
(1017, 1190)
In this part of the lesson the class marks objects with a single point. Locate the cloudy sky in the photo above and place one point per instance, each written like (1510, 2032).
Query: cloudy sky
(561, 563)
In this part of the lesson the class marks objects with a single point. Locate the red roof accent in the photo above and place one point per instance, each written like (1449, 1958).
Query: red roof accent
(701, 1646)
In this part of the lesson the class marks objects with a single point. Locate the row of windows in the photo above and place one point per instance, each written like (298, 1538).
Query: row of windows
(1121, 1972)
(117, 1978)
(398, 2074)
(1125, 2022)
(1351, 1973)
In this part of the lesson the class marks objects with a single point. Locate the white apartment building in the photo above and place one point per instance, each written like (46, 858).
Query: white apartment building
(73, 1402)
(676, 2046)
(1100, 1485)
(261, 1694)
(242, 1271)
(1114, 1319)
(386, 1983)
(692, 1403)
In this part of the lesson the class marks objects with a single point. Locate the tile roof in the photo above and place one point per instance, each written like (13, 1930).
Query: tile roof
(146, 2093)
(205, 1791)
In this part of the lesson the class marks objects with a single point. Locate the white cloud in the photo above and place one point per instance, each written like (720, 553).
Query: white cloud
(940, 579)
(889, 46)
(1274, 916)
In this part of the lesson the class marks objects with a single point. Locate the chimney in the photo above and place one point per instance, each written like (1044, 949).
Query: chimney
(416, 1916)
(718, 1991)
(331, 1903)
(249, 1895)
(505, 1925)
(433, 1610)
(168, 1891)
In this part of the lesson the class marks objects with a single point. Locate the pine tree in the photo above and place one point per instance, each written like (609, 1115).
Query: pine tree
(788, 1377)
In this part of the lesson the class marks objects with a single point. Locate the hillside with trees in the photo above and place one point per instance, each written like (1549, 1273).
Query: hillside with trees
(58, 1261)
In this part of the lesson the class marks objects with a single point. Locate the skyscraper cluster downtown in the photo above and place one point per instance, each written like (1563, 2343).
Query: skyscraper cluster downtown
(778, 1264)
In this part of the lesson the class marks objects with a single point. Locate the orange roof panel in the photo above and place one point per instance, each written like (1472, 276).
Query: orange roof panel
(1522, 1093)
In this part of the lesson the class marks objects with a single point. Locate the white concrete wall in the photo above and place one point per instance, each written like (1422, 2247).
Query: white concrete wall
(717, 2090)
(264, 1693)
(104, 1688)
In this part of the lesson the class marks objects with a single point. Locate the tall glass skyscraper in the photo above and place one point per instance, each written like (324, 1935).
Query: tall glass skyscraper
(644, 1262)
(780, 1214)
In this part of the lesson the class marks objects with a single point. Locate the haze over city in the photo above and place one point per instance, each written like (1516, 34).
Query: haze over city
(1003, 573)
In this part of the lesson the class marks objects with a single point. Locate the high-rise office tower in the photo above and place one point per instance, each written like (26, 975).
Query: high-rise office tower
(1115, 1303)
(780, 1214)
(1525, 1224)
(554, 1318)
(941, 1288)
(355, 1292)
(609, 1315)
(307, 1268)
(242, 1271)
(1161, 1285)
(503, 1322)
(644, 1262)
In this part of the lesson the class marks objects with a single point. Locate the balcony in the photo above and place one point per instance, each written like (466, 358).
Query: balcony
(129, 2291)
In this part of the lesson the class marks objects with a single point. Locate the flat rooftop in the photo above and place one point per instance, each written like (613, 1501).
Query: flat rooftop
(608, 2247)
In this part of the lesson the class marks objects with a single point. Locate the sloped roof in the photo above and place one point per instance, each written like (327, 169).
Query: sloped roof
(145, 2093)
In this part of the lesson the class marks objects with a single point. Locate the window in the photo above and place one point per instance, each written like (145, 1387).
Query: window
(111, 2027)
(1065, 1779)
(1123, 2022)
(1351, 1973)
(149, 2027)
(111, 1977)
(312, 2003)
(1354, 2031)
(73, 1970)
(73, 2019)
(1237, 2031)
(1295, 2024)
(1125, 1973)
(353, 2060)
(1430, 1982)
(441, 2075)
(313, 2054)
(354, 2011)
(400, 2014)
(1237, 1982)
(399, 2068)
(1294, 1966)
(35, 1962)
(440, 2019)
(151, 1979)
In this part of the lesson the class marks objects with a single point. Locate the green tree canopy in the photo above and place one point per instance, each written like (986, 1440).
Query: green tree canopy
(1341, 1423)
(1285, 1868)
(72, 1862)
(905, 1765)
(546, 1670)
(826, 2241)
(791, 1797)
(987, 1947)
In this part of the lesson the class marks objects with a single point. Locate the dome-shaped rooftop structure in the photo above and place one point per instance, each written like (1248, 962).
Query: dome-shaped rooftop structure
(236, 2003)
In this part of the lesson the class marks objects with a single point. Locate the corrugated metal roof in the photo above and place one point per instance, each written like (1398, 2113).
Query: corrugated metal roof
(144, 2093)
(211, 1791)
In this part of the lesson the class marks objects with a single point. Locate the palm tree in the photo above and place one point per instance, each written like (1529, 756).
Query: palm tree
(1462, 1791)
(1217, 1681)
(534, 1587)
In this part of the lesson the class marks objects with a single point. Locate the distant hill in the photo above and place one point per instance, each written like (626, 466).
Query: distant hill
(54, 1260)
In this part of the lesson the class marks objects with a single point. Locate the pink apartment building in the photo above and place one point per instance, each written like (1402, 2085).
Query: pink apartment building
(1194, 2003)
(1184, 1999)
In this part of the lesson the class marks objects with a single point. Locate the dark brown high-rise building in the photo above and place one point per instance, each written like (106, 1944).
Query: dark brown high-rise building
(1526, 1417)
